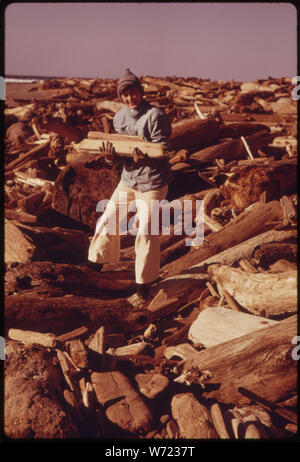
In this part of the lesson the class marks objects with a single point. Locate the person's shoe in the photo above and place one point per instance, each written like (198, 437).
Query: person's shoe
(95, 266)
(142, 291)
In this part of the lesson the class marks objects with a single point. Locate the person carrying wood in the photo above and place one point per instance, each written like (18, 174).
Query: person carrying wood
(143, 180)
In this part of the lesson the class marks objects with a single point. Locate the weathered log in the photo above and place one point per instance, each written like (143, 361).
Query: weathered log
(78, 190)
(217, 325)
(240, 229)
(194, 134)
(73, 279)
(57, 244)
(249, 182)
(165, 299)
(218, 421)
(57, 314)
(231, 149)
(48, 340)
(262, 294)
(260, 361)
(123, 145)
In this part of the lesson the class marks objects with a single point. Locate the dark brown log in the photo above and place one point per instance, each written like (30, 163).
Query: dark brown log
(240, 229)
(231, 149)
(78, 189)
(58, 314)
(238, 129)
(194, 134)
(260, 361)
(249, 182)
(69, 279)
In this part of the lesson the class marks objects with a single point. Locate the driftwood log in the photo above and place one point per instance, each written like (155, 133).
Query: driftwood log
(262, 294)
(194, 134)
(58, 314)
(260, 361)
(241, 228)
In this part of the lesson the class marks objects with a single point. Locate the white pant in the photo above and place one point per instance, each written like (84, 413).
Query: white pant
(105, 245)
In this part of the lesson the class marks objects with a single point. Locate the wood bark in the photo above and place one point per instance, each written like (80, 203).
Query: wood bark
(57, 314)
(240, 229)
(262, 294)
(260, 361)
(194, 134)
(231, 149)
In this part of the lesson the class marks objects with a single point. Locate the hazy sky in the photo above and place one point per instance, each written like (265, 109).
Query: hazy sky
(218, 41)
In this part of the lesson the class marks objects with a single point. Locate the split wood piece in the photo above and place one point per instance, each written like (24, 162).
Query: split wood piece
(24, 157)
(67, 368)
(17, 247)
(191, 416)
(269, 406)
(217, 325)
(237, 231)
(129, 350)
(71, 335)
(122, 147)
(230, 150)
(237, 425)
(78, 353)
(151, 385)
(247, 148)
(98, 341)
(171, 295)
(30, 310)
(123, 406)
(247, 266)
(289, 209)
(32, 203)
(229, 299)
(87, 395)
(183, 351)
(113, 137)
(194, 134)
(218, 421)
(26, 336)
(260, 361)
(23, 178)
(213, 292)
(262, 294)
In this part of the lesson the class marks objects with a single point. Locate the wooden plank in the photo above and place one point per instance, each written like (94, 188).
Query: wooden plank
(216, 325)
(123, 147)
(26, 336)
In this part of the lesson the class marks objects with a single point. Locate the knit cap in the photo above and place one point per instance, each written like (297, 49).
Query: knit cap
(128, 78)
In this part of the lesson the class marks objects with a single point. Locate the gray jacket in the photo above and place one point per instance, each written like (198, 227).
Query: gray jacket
(153, 125)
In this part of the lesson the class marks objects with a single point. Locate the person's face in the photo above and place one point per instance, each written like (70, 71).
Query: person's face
(132, 97)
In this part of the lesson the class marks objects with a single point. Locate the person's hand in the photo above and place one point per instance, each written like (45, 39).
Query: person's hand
(107, 150)
(138, 155)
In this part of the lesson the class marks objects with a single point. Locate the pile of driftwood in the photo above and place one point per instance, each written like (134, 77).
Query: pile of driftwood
(213, 352)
